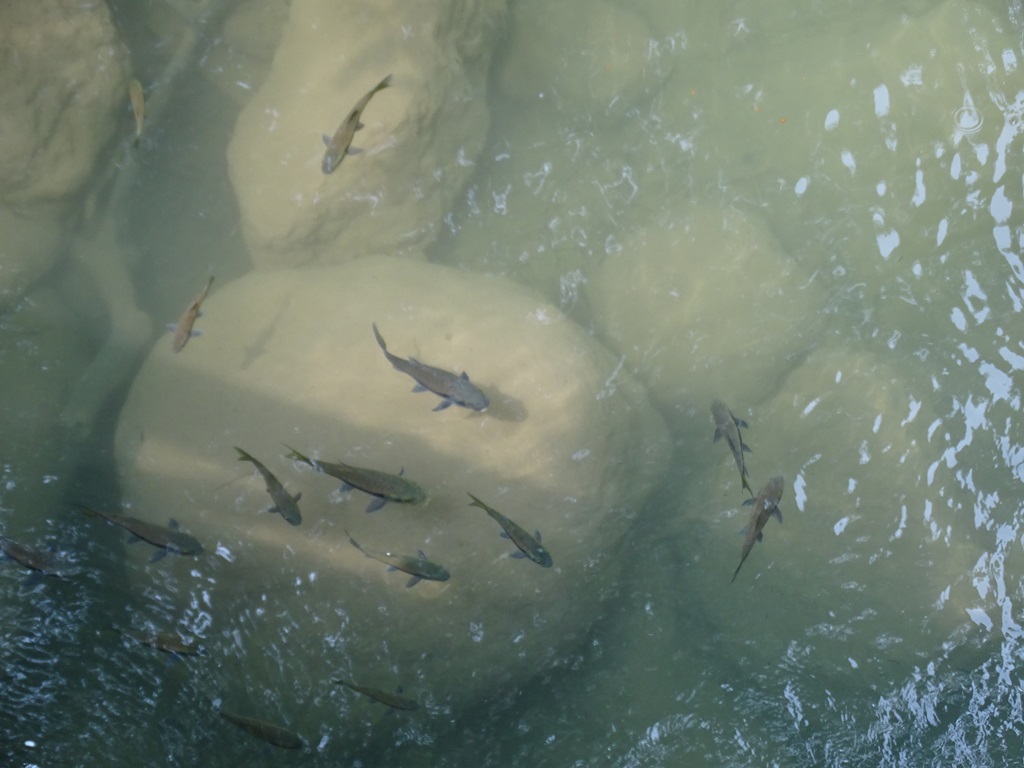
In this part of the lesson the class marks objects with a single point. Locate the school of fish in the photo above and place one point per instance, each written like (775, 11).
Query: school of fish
(383, 487)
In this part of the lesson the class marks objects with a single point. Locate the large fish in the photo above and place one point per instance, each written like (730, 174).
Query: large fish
(284, 504)
(138, 100)
(261, 729)
(728, 426)
(42, 563)
(183, 330)
(385, 486)
(451, 388)
(417, 567)
(529, 546)
(166, 642)
(391, 699)
(340, 144)
(766, 504)
(168, 539)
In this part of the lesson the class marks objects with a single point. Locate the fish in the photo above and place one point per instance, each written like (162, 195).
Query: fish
(284, 504)
(183, 330)
(766, 505)
(391, 699)
(340, 144)
(417, 567)
(261, 729)
(728, 426)
(451, 388)
(138, 100)
(168, 539)
(383, 485)
(166, 642)
(529, 546)
(41, 563)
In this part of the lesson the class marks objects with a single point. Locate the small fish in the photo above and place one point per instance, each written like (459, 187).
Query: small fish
(261, 729)
(391, 699)
(138, 101)
(284, 504)
(765, 506)
(169, 539)
(340, 144)
(42, 563)
(529, 546)
(417, 567)
(166, 642)
(385, 486)
(183, 330)
(451, 388)
(728, 426)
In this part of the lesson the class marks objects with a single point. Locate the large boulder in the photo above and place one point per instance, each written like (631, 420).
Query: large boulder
(421, 136)
(569, 446)
(63, 81)
(690, 304)
(860, 503)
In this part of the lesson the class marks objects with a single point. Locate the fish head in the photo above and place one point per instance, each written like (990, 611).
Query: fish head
(468, 395)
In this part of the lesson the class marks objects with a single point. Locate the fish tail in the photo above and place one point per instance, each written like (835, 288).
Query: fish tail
(243, 456)
(296, 456)
(380, 339)
(383, 84)
(476, 502)
(354, 542)
(737, 571)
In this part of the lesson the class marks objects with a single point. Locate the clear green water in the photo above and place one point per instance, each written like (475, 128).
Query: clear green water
(880, 624)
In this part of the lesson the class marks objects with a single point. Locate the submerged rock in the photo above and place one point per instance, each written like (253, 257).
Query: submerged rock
(569, 446)
(706, 307)
(420, 140)
(63, 77)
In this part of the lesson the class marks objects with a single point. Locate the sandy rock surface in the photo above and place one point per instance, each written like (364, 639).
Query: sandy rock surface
(62, 80)
(689, 304)
(420, 139)
(569, 446)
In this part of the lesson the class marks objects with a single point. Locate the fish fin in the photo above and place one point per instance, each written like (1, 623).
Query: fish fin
(172, 327)
(419, 388)
(464, 376)
(401, 471)
(778, 515)
(760, 535)
(353, 150)
(345, 487)
(160, 554)
(517, 555)
(445, 403)
(132, 539)
(412, 582)
(745, 447)
(172, 524)
(748, 502)
(390, 569)
(741, 423)
(376, 504)
(360, 125)
(505, 535)
(743, 530)
(327, 139)
(718, 435)
(536, 534)
(195, 332)
(297, 496)
(422, 555)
